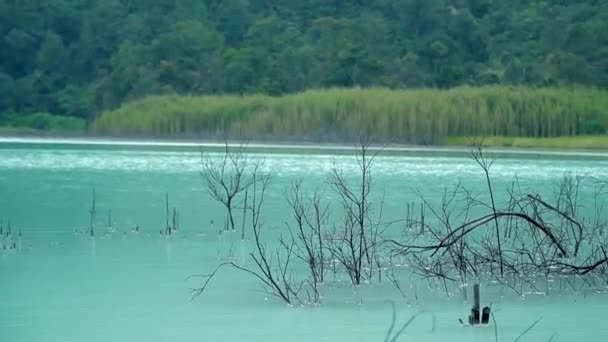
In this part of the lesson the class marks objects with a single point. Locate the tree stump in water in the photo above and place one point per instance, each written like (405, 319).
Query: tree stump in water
(476, 316)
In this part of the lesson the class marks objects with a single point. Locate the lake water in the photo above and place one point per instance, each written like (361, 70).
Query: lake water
(61, 285)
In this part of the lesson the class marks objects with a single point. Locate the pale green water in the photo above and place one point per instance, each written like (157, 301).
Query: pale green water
(125, 286)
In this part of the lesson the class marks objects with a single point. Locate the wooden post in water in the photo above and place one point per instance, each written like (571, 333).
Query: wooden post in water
(167, 227)
(19, 240)
(174, 219)
(177, 225)
(476, 297)
(92, 216)
(475, 313)
(421, 218)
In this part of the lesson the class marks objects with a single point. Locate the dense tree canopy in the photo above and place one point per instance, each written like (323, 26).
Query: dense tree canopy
(78, 57)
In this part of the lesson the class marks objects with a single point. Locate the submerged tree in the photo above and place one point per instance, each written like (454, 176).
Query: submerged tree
(272, 265)
(307, 234)
(355, 239)
(225, 177)
(530, 239)
(521, 241)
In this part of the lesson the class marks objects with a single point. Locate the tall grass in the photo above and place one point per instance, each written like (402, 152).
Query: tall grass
(422, 116)
(570, 142)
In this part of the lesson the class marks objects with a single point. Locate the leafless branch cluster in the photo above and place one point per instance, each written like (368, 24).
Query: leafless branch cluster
(225, 177)
(277, 278)
(352, 242)
(355, 239)
(272, 265)
(519, 241)
(307, 234)
(530, 238)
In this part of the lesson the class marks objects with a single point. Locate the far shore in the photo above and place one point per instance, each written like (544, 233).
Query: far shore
(282, 145)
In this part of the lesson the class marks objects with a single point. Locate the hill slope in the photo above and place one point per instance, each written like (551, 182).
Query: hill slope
(81, 57)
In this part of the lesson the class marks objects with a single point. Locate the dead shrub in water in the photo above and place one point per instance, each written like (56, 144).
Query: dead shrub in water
(528, 239)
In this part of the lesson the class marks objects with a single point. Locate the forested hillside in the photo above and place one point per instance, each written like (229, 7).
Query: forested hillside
(80, 57)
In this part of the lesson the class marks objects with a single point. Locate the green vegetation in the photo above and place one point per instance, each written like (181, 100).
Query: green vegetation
(423, 116)
(41, 122)
(577, 142)
(81, 57)
(539, 66)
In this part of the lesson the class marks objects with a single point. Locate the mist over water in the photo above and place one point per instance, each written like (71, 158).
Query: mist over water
(131, 286)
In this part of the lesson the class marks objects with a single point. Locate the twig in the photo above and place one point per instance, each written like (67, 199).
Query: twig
(528, 329)
(389, 337)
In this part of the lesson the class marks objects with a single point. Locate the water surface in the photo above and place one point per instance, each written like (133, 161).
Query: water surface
(61, 285)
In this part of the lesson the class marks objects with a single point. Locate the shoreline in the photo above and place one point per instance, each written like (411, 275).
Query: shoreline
(284, 146)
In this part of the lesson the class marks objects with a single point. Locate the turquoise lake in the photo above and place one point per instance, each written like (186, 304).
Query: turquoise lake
(59, 284)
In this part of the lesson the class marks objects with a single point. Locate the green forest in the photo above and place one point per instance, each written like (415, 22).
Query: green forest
(89, 64)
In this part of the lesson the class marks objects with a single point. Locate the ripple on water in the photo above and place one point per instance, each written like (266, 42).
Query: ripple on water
(290, 164)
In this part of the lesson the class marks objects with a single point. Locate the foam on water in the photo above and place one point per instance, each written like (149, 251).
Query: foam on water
(289, 164)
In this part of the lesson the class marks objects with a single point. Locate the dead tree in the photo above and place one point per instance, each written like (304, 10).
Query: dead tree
(224, 178)
(455, 206)
(309, 217)
(272, 266)
(485, 161)
(544, 239)
(279, 280)
(354, 240)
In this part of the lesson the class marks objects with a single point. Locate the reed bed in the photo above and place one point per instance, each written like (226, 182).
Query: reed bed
(417, 116)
